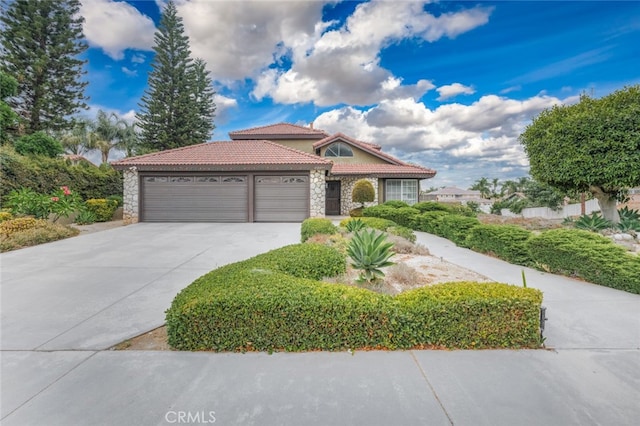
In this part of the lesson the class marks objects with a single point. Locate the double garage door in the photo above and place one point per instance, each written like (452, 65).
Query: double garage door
(222, 198)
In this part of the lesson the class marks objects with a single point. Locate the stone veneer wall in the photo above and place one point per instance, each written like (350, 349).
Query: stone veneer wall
(130, 196)
(346, 189)
(317, 193)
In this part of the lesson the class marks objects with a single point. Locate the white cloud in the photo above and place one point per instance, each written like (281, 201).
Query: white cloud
(452, 90)
(458, 140)
(116, 26)
(223, 107)
(130, 73)
(138, 58)
(343, 65)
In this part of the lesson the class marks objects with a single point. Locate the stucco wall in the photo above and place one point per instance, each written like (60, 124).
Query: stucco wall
(359, 157)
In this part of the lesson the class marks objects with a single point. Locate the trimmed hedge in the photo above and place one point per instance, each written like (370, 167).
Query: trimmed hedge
(315, 261)
(429, 206)
(586, 255)
(508, 242)
(256, 305)
(316, 225)
(430, 221)
(456, 228)
(403, 216)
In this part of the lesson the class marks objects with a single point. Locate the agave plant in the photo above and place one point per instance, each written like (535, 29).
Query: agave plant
(355, 225)
(593, 222)
(627, 225)
(369, 252)
(627, 214)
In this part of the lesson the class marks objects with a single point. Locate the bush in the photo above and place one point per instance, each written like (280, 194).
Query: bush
(26, 231)
(314, 261)
(248, 306)
(5, 216)
(371, 222)
(313, 226)
(586, 255)
(102, 209)
(508, 242)
(456, 228)
(363, 192)
(403, 216)
(38, 143)
(357, 212)
(45, 175)
(430, 206)
(396, 204)
(430, 221)
(403, 232)
(117, 199)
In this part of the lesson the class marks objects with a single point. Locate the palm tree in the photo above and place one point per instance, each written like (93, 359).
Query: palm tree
(495, 183)
(482, 185)
(77, 140)
(129, 139)
(104, 133)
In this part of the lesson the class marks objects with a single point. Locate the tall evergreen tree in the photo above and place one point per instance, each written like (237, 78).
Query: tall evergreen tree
(203, 96)
(175, 110)
(41, 41)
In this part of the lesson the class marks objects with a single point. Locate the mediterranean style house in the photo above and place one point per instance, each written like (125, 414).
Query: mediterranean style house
(277, 173)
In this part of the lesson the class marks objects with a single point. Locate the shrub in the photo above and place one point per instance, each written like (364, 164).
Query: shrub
(586, 255)
(508, 242)
(117, 199)
(403, 232)
(314, 261)
(5, 216)
(369, 253)
(404, 246)
(85, 217)
(430, 221)
(38, 143)
(430, 206)
(61, 203)
(404, 274)
(403, 216)
(456, 228)
(314, 226)
(24, 232)
(472, 315)
(357, 212)
(372, 222)
(395, 204)
(363, 192)
(102, 209)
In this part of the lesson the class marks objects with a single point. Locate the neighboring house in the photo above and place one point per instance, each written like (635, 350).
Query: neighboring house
(451, 194)
(633, 202)
(276, 173)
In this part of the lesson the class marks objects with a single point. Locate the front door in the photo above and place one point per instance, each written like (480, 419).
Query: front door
(332, 207)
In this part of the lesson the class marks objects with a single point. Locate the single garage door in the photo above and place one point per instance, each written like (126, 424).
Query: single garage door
(281, 198)
(195, 198)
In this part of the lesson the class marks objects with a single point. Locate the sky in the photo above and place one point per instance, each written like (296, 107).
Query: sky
(447, 85)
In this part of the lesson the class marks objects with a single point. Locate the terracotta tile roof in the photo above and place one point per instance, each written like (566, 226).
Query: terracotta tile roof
(382, 170)
(226, 154)
(372, 149)
(280, 130)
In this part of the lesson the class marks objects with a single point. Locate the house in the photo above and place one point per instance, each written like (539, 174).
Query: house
(451, 194)
(277, 173)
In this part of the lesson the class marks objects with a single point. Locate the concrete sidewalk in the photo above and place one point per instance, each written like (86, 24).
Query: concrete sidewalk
(57, 374)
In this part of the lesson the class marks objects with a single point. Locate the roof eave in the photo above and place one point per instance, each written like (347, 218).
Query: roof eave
(220, 167)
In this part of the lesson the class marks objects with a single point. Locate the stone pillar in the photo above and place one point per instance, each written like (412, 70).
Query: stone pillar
(346, 189)
(130, 196)
(317, 193)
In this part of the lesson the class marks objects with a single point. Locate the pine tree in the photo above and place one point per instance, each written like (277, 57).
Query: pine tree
(176, 110)
(203, 96)
(41, 40)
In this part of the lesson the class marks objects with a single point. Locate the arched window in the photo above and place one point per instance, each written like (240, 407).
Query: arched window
(338, 149)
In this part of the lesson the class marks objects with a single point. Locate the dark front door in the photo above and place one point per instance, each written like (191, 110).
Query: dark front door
(333, 198)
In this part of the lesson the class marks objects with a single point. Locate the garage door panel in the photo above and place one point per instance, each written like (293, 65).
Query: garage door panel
(281, 198)
(195, 199)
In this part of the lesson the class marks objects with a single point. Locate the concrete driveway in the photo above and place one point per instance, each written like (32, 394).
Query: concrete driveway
(64, 303)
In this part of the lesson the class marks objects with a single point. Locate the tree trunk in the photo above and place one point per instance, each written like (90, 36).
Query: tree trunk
(608, 204)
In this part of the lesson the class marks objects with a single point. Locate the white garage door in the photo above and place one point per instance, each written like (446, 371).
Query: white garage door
(281, 198)
(183, 198)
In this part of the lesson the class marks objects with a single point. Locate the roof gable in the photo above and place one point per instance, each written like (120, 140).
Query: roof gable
(369, 148)
(278, 131)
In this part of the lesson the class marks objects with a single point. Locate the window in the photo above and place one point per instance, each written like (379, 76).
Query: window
(402, 189)
(338, 149)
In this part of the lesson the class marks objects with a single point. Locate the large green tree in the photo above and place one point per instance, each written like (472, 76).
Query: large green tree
(174, 110)
(593, 146)
(8, 117)
(41, 41)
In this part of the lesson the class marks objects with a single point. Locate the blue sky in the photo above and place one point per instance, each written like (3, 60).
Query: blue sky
(448, 85)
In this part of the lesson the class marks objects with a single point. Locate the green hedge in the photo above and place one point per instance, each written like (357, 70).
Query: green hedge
(403, 216)
(456, 228)
(45, 175)
(430, 221)
(508, 242)
(586, 255)
(430, 206)
(257, 305)
(101, 208)
(313, 226)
